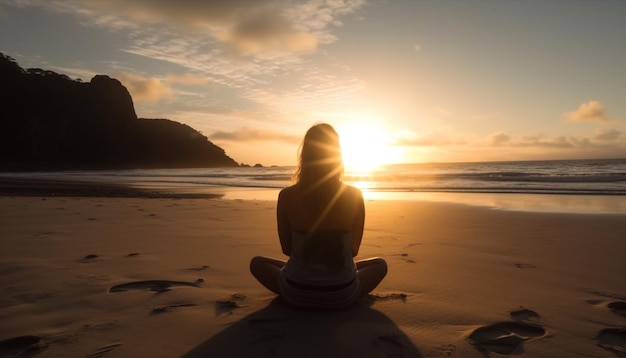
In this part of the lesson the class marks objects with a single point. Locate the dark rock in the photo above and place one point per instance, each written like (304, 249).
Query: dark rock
(49, 122)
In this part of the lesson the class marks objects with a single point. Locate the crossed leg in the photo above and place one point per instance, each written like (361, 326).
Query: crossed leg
(371, 272)
(266, 270)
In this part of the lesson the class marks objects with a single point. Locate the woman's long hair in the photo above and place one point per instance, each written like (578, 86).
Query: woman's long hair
(320, 168)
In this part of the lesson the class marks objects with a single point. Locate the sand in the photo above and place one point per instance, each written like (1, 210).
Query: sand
(167, 277)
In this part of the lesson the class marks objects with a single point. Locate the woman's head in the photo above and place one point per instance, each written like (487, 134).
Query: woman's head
(320, 157)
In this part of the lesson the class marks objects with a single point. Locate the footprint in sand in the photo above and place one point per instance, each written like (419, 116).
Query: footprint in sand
(228, 305)
(199, 268)
(89, 258)
(19, 346)
(152, 285)
(613, 339)
(618, 307)
(405, 255)
(507, 337)
(168, 308)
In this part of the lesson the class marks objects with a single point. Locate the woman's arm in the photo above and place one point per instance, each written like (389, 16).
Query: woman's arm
(284, 228)
(359, 222)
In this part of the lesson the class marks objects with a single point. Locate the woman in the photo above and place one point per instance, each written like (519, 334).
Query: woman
(320, 226)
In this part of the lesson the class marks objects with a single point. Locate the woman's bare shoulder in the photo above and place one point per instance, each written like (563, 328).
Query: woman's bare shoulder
(288, 189)
(352, 191)
(287, 192)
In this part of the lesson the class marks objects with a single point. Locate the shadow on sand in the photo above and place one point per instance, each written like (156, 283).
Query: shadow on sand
(280, 331)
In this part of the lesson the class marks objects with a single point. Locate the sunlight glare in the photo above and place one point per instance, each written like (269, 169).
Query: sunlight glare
(365, 147)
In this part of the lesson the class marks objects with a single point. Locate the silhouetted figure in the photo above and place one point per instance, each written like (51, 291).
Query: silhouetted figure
(320, 226)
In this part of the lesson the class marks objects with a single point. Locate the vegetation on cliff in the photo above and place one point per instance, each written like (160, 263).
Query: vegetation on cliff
(48, 122)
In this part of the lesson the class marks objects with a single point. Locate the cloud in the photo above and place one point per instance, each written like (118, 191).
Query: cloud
(247, 134)
(417, 48)
(407, 138)
(602, 139)
(547, 142)
(592, 111)
(248, 27)
(499, 139)
(150, 90)
(504, 140)
(609, 135)
(187, 79)
(154, 90)
(239, 44)
(263, 30)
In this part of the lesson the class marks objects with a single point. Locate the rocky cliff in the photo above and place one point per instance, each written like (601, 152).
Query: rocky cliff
(48, 121)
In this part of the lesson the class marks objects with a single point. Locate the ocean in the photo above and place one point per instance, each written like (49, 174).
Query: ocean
(569, 178)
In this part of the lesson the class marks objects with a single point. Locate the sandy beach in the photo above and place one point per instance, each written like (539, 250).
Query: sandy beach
(168, 277)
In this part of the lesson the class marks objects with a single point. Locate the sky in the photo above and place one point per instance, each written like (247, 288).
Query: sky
(401, 81)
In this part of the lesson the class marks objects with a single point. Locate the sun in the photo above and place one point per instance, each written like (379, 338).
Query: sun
(364, 147)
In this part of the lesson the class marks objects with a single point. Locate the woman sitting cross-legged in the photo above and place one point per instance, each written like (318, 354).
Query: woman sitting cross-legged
(320, 227)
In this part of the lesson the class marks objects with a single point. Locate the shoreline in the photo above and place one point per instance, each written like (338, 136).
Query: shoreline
(35, 187)
(527, 202)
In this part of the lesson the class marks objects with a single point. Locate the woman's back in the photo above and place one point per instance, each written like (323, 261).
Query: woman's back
(343, 212)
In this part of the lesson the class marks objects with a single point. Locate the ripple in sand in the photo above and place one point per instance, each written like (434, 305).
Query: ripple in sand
(104, 350)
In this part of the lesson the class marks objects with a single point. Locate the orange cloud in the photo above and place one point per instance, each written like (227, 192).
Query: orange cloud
(592, 111)
(150, 90)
